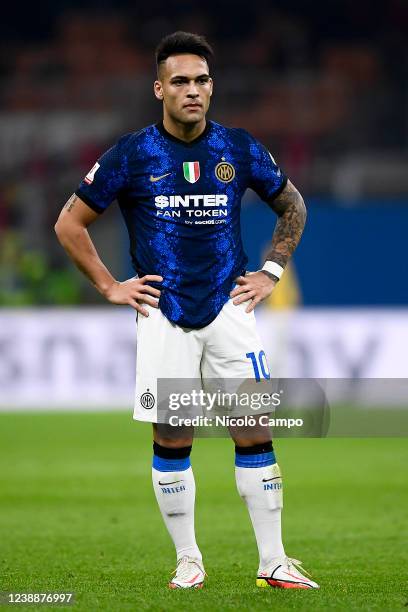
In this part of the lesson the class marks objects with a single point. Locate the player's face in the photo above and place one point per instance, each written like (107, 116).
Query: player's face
(185, 88)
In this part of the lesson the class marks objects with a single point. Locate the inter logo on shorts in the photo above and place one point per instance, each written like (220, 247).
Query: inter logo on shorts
(224, 172)
(147, 400)
(191, 171)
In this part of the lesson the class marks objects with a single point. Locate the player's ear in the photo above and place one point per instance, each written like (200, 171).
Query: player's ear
(158, 90)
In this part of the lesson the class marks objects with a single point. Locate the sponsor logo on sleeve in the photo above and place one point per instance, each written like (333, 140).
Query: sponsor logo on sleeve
(91, 174)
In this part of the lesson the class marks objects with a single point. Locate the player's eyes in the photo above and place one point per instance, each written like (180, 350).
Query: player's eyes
(202, 81)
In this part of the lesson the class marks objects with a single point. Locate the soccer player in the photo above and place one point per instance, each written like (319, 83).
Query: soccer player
(179, 185)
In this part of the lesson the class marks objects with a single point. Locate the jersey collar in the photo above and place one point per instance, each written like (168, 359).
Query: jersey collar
(166, 134)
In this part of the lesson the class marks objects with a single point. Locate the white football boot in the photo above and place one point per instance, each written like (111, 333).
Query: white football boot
(285, 575)
(189, 574)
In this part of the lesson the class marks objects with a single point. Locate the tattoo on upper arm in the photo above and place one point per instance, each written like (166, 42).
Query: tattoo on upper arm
(71, 203)
(291, 210)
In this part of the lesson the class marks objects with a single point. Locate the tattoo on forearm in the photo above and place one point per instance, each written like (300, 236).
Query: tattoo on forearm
(71, 203)
(291, 210)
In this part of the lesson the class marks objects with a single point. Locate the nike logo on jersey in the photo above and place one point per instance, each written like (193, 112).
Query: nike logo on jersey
(268, 479)
(153, 179)
(165, 484)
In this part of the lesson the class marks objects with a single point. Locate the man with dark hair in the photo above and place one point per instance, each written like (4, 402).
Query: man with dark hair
(177, 43)
(179, 185)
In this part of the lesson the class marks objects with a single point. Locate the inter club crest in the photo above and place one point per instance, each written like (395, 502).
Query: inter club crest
(147, 400)
(224, 171)
(191, 171)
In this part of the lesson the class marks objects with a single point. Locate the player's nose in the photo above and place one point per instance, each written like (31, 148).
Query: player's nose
(192, 90)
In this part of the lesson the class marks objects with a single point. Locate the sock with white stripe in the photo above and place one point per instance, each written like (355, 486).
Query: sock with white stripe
(259, 483)
(174, 487)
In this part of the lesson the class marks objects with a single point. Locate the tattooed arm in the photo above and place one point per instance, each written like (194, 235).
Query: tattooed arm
(72, 232)
(291, 210)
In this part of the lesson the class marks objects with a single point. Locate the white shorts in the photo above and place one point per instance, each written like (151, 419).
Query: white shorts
(229, 348)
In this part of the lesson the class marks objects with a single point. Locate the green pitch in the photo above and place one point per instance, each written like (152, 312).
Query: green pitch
(77, 513)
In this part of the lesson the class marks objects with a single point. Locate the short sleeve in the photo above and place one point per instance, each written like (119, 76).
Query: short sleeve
(266, 178)
(108, 177)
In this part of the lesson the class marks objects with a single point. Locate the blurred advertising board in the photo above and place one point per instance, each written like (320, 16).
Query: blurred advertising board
(85, 357)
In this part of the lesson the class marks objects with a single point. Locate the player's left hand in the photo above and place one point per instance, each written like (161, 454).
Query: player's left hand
(254, 287)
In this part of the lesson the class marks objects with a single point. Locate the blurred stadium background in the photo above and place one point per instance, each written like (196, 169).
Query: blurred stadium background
(326, 92)
(324, 87)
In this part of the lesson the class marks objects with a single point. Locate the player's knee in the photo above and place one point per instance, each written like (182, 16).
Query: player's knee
(172, 437)
(175, 444)
(243, 440)
(254, 435)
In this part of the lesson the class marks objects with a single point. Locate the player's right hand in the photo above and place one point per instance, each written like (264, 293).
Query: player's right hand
(135, 291)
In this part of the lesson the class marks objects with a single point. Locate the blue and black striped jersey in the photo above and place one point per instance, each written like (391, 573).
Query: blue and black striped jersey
(181, 203)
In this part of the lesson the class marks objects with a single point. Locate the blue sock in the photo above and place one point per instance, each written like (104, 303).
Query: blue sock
(171, 459)
(259, 455)
(163, 464)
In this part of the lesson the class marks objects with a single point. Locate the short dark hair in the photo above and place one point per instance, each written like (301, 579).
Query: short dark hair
(183, 42)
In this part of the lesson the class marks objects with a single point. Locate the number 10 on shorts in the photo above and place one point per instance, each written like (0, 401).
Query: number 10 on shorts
(259, 363)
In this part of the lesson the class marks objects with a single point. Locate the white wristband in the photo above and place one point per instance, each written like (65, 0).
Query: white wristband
(273, 268)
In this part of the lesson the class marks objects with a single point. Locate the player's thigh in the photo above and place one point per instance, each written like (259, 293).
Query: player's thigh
(164, 351)
(233, 348)
(234, 367)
